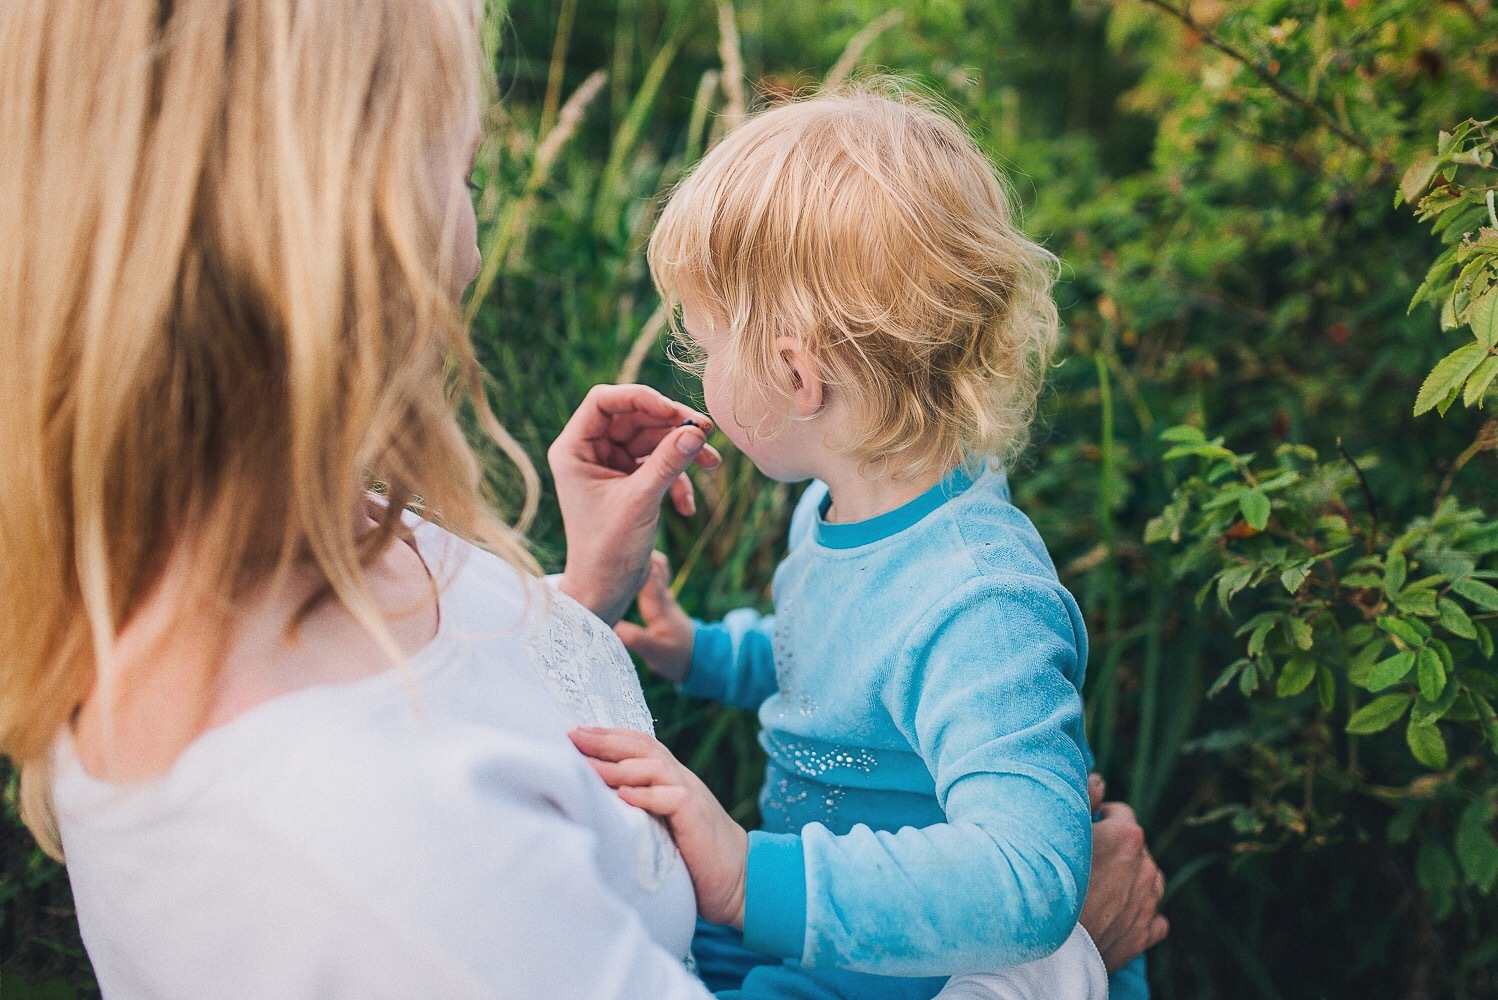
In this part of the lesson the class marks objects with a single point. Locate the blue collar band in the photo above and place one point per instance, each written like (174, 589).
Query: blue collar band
(856, 533)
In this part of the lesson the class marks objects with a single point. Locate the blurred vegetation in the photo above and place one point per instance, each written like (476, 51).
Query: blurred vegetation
(1288, 574)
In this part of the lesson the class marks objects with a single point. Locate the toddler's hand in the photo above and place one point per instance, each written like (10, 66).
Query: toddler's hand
(715, 848)
(665, 642)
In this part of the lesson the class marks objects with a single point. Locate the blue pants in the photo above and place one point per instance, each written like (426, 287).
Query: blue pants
(733, 972)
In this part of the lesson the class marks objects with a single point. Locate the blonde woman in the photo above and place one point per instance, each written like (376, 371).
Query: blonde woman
(293, 739)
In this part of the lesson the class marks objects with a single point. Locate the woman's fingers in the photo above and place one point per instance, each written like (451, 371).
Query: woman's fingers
(618, 413)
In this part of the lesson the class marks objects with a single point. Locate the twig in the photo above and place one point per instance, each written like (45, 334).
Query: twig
(1367, 496)
(565, 20)
(1288, 93)
(1487, 440)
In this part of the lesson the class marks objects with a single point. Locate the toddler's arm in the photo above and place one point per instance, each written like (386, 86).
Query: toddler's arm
(731, 662)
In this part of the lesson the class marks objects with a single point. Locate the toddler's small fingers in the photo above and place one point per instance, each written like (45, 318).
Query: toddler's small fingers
(658, 800)
(636, 771)
(612, 744)
(682, 496)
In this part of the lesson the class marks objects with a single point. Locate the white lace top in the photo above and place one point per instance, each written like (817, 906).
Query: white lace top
(426, 833)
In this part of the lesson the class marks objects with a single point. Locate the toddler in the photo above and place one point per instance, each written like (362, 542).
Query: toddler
(865, 313)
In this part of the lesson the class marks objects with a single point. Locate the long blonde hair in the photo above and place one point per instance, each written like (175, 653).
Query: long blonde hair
(864, 222)
(226, 314)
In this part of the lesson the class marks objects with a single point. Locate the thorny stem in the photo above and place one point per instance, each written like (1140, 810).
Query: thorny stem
(1367, 495)
(1288, 93)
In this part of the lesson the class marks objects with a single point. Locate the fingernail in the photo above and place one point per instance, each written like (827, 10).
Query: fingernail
(691, 444)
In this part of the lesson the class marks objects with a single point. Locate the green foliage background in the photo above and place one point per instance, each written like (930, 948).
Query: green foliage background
(1287, 574)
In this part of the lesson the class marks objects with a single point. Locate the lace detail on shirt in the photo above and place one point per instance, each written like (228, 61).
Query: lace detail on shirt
(586, 669)
(589, 675)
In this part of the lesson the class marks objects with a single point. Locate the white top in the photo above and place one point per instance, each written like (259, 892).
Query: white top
(420, 833)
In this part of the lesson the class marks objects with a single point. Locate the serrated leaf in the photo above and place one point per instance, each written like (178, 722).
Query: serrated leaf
(1255, 507)
(1487, 719)
(1296, 676)
(1482, 316)
(1427, 744)
(1326, 689)
(1401, 630)
(1446, 378)
(1417, 602)
(1299, 633)
(1484, 640)
(1455, 620)
(1181, 433)
(1482, 379)
(1293, 578)
(1396, 568)
(1476, 850)
(1231, 582)
(1391, 671)
(1248, 682)
(1431, 673)
(1417, 178)
(1379, 714)
(1361, 665)
(1225, 678)
(1483, 595)
(1256, 641)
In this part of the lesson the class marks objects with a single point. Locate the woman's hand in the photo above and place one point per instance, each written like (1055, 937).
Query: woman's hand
(665, 642)
(715, 848)
(1122, 908)
(622, 451)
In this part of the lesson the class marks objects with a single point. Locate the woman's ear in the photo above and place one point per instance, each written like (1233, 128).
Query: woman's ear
(803, 376)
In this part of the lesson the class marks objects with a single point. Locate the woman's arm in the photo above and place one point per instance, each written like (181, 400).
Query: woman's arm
(624, 449)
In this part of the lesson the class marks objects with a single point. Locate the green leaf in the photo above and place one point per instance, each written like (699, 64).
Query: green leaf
(1299, 632)
(1226, 677)
(1326, 689)
(1417, 602)
(1255, 507)
(1427, 744)
(1477, 386)
(1446, 378)
(1261, 632)
(1401, 630)
(1455, 620)
(1431, 673)
(1484, 640)
(1233, 581)
(1361, 665)
(1476, 850)
(1436, 873)
(1396, 568)
(1296, 676)
(1391, 671)
(1417, 178)
(1293, 578)
(1483, 595)
(1482, 316)
(1182, 433)
(1379, 714)
(1487, 719)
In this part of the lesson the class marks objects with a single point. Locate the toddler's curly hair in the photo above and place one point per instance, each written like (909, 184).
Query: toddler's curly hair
(866, 223)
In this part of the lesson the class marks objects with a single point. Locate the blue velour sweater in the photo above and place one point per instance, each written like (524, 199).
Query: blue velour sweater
(925, 805)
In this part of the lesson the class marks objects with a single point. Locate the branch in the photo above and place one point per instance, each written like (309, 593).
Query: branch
(1288, 93)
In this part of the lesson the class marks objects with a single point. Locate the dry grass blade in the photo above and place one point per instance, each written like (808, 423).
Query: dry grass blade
(640, 350)
(730, 51)
(857, 45)
(565, 19)
(510, 231)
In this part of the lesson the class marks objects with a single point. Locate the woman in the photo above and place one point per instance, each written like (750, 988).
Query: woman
(294, 740)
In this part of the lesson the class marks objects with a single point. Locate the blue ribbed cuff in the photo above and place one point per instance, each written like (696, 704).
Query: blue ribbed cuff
(775, 895)
(712, 646)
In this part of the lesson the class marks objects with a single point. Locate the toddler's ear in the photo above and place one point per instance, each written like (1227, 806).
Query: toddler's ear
(804, 377)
